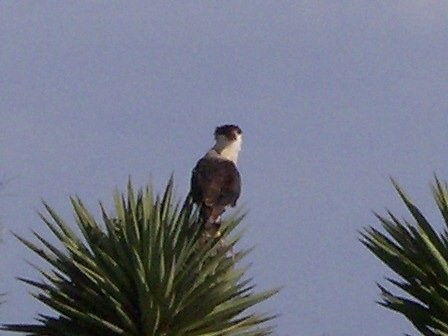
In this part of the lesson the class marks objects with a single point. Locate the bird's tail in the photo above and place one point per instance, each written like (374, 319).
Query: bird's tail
(211, 219)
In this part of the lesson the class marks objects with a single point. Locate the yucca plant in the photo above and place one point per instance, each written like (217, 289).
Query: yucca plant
(146, 270)
(419, 255)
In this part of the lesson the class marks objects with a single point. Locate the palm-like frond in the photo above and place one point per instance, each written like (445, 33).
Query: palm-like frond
(146, 271)
(419, 255)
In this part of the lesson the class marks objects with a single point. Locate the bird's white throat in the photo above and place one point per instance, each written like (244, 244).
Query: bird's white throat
(226, 149)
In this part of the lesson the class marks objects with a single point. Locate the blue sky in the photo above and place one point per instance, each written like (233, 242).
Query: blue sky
(333, 97)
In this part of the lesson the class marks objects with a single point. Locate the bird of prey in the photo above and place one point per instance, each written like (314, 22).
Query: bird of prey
(215, 180)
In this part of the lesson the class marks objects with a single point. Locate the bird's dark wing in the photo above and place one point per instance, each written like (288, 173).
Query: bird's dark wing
(215, 182)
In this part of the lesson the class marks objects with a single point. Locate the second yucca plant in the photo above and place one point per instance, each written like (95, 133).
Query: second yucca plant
(419, 255)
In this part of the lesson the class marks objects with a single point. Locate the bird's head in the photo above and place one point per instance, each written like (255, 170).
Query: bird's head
(229, 139)
(228, 135)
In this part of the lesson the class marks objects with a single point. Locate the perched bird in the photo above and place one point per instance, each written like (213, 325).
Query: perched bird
(215, 180)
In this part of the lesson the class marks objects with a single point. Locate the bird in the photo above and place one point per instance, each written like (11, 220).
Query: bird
(215, 180)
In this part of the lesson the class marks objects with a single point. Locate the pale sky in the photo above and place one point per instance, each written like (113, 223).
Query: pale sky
(333, 98)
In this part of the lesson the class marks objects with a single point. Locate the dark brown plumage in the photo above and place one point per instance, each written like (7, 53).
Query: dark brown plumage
(217, 185)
